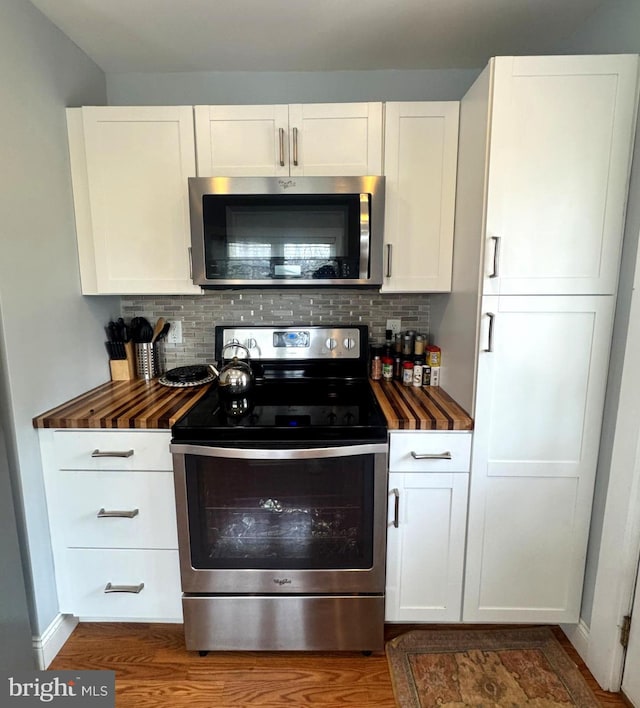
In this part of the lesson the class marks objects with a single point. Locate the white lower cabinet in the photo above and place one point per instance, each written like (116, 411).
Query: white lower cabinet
(113, 523)
(123, 584)
(539, 407)
(428, 487)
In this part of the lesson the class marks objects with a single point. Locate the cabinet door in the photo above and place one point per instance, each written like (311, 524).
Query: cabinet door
(327, 139)
(542, 374)
(242, 141)
(130, 168)
(560, 149)
(421, 143)
(425, 552)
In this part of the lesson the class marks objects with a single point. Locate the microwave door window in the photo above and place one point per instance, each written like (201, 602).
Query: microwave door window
(291, 238)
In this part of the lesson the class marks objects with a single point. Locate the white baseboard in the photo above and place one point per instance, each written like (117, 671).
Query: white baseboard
(49, 643)
(578, 635)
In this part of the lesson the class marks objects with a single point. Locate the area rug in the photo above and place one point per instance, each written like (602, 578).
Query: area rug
(485, 667)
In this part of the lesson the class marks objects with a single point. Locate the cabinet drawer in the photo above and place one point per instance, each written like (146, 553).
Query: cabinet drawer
(112, 450)
(145, 501)
(451, 452)
(89, 571)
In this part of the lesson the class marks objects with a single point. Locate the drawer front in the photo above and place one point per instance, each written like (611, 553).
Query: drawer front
(117, 509)
(429, 452)
(112, 450)
(89, 571)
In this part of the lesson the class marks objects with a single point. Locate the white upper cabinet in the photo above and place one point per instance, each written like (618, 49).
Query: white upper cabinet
(316, 139)
(421, 144)
(130, 167)
(559, 164)
(242, 141)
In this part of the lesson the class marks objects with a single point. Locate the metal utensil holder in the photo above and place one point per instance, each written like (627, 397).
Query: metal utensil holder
(148, 360)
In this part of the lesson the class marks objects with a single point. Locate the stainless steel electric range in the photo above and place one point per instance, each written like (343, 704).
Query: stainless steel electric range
(281, 496)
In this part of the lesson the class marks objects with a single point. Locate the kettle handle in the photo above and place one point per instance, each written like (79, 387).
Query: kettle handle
(236, 345)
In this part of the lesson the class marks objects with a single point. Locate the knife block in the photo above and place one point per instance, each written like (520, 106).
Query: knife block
(124, 369)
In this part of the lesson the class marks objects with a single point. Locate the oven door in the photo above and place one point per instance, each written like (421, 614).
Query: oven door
(276, 521)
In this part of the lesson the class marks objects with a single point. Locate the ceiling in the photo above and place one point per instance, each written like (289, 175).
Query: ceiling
(312, 35)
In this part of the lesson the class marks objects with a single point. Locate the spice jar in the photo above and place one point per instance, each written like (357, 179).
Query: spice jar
(407, 373)
(376, 362)
(397, 367)
(407, 345)
(418, 365)
(387, 367)
(418, 344)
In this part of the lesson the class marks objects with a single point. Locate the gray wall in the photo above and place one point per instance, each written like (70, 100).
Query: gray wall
(614, 28)
(210, 88)
(53, 341)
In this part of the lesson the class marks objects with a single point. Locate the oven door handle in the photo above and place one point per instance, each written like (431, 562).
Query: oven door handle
(279, 454)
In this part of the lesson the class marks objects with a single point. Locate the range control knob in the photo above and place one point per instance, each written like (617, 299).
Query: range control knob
(349, 343)
(331, 344)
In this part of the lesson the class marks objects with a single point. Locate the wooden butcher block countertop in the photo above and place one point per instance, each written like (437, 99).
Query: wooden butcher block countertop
(149, 405)
(124, 404)
(419, 408)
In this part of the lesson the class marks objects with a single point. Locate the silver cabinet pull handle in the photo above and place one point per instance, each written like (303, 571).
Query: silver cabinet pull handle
(104, 514)
(491, 317)
(396, 508)
(496, 256)
(389, 247)
(190, 250)
(111, 453)
(295, 146)
(431, 455)
(281, 132)
(123, 588)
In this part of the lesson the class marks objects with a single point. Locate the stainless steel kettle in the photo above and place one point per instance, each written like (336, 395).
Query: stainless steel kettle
(235, 378)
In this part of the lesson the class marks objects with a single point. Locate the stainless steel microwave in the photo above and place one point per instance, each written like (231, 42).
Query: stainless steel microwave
(281, 231)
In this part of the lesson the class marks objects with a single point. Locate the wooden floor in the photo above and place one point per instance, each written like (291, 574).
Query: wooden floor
(153, 670)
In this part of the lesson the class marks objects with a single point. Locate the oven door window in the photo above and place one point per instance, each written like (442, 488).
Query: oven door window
(285, 514)
(286, 237)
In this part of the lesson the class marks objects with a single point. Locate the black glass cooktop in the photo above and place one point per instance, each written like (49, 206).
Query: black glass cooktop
(286, 411)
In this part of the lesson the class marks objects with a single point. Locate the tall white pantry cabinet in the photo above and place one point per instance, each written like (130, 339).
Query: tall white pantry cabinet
(544, 161)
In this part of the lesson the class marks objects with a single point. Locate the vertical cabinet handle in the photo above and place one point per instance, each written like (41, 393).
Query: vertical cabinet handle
(295, 146)
(281, 133)
(396, 508)
(190, 251)
(123, 588)
(491, 317)
(496, 256)
(104, 514)
(388, 273)
(111, 453)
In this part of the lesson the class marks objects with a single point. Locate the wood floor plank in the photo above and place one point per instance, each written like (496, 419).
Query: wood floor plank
(154, 670)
